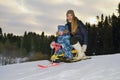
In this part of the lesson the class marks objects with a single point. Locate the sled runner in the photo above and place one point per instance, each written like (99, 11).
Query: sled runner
(47, 66)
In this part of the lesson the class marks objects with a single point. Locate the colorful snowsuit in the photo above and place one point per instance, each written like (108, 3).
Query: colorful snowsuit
(64, 40)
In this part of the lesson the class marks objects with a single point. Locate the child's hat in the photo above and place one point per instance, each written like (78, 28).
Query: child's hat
(61, 28)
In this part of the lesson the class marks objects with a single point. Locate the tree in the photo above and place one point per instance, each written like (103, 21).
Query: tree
(0, 31)
(115, 30)
(1, 35)
(118, 9)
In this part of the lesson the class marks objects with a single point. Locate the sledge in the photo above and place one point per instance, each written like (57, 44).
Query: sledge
(78, 55)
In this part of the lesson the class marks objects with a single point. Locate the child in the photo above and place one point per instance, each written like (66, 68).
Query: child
(62, 45)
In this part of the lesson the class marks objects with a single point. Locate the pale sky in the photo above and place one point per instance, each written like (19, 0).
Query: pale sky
(18, 16)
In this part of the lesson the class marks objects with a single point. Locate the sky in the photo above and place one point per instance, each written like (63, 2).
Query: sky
(18, 16)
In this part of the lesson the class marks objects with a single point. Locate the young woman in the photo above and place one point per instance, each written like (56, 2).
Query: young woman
(78, 33)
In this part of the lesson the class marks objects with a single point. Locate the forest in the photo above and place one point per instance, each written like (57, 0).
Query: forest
(103, 39)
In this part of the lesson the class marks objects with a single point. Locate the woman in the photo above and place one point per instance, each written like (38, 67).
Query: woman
(78, 33)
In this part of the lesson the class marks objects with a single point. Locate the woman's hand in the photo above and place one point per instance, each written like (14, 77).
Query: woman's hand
(84, 47)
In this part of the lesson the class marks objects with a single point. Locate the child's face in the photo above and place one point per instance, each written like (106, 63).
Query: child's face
(60, 33)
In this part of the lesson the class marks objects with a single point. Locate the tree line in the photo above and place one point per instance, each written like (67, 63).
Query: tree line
(30, 45)
(103, 38)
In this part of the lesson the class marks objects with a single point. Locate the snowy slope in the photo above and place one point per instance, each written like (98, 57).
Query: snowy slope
(98, 68)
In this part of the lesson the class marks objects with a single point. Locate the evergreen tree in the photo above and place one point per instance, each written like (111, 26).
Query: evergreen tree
(0, 31)
(1, 35)
(115, 31)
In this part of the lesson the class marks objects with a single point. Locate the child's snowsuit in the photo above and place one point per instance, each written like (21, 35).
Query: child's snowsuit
(64, 40)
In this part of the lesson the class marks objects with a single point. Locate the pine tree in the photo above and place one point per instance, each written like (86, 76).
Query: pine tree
(118, 9)
(118, 24)
(1, 35)
(115, 31)
(1, 32)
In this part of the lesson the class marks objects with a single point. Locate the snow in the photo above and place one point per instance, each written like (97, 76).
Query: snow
(105, 67)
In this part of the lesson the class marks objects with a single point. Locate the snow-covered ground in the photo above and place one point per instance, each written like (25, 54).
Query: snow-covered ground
(106, 67)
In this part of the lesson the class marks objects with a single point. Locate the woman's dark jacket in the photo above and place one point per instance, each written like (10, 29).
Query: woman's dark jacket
(81, 34)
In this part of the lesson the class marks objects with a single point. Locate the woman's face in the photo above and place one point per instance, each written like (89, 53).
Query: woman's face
(69, 17)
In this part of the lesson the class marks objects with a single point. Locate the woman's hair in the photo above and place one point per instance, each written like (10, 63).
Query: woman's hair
(74, 21)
